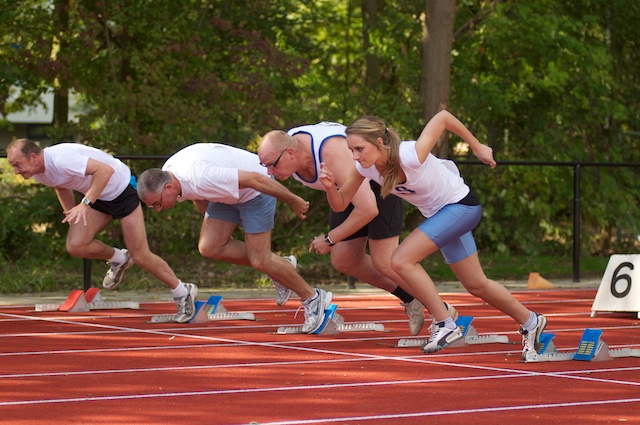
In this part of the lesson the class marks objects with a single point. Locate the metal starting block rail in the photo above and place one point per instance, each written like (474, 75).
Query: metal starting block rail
(469, 333)
(80, 301)
(209, 311)
(334, 324)
(591, 349)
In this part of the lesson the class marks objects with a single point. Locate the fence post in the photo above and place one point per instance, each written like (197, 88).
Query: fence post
(576, 222)
(87, 274)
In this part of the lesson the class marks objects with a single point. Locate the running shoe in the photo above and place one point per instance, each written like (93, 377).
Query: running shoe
(531, 339)
(282, 292)
(116, 272)
(452, 312)
(187, 305)
(415, 311)
(442, 337)
(314, 311)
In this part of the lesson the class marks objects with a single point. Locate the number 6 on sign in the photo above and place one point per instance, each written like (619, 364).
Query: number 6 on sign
(620, 286)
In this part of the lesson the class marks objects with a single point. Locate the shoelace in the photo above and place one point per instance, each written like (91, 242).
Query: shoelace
(528, 340)
(298, 309)
(308, 311)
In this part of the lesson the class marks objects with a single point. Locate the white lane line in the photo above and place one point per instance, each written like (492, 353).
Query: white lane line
(267, 364)
(453, 412)
(424, 360)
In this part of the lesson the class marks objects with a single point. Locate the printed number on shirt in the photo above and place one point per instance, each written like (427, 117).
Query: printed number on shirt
(404, 190)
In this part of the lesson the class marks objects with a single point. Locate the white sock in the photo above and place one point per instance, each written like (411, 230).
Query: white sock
(180, 291)
(118, 256)
(449, 323)
(308, 300)
(531, 323)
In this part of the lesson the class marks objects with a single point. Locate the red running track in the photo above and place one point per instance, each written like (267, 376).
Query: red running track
(113, 367)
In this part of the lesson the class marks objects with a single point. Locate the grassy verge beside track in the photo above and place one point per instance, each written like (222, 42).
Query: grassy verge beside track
(65, 273)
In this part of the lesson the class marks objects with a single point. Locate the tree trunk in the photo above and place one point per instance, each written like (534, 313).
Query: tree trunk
(369, 24)
(437, 42)
(61, 93)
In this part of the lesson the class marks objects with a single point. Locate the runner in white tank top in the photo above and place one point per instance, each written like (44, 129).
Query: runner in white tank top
(369, 220)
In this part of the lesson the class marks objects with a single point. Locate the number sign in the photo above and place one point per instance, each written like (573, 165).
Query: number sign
(620, 286)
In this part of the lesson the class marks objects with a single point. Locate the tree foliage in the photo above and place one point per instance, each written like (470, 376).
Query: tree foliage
(550, 80)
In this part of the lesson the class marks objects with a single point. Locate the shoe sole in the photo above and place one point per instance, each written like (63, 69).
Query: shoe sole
(117, 283)
(327, 300)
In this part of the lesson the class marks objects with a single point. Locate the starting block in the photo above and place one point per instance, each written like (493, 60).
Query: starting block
(334, 324)
(80, 301)
(209, 311)
(591, 349)
(469, 333)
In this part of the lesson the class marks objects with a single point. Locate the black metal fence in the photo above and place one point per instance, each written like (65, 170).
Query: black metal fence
(576, 167)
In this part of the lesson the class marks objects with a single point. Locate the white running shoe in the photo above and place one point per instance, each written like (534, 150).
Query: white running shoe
(116, 272)
(415, 311)
(187, 305)
(282, 292)
(442, 337)
(452, 312)
(314, 311)
(531, 339)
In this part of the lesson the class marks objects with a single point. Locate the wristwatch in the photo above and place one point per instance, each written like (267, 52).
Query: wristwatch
(328, 240)
(87, 202)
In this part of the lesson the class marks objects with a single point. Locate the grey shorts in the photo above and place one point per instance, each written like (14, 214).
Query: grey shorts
(255, 216)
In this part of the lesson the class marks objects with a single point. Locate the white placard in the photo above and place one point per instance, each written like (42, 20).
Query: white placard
(620, 286)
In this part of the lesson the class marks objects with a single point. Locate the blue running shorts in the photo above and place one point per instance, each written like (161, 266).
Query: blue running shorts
(450, 229)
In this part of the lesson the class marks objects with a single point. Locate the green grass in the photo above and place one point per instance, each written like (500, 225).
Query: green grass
(66, 273)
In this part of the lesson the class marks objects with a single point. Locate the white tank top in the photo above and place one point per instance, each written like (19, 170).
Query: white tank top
(319, 133)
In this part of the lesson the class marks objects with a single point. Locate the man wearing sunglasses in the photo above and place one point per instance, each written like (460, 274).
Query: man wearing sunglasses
(369, 220)
(230, 187)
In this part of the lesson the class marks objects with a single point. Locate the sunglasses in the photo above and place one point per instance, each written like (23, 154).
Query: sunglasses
(275, 163)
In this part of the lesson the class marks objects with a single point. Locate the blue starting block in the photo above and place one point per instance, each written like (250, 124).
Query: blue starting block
(469, 333)
(591, 348)
(332, 324)
(591, 345)
(546, 343)
(210, 311)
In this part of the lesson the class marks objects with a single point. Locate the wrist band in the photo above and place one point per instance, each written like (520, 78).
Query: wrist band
(328, 240)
